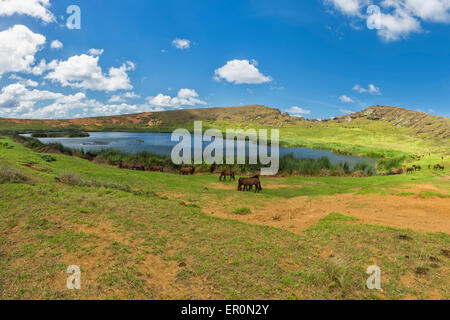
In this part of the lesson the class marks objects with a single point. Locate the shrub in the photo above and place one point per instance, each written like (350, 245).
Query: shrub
(9, 174)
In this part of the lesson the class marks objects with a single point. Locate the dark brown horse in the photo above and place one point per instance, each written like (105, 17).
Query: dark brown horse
(124, 165)
(187, 170)
(246, 184)
(398, 171)
(227, 173)
(139, 167)
(409, 170)
(417, 168)
(157, 168)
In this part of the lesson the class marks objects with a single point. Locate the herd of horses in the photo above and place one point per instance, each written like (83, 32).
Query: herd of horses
(415, 168)
(248, 183)
(244, 184)
(140, 167)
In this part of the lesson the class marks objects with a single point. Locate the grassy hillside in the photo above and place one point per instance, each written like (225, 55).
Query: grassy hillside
(376, 131)
(144, 235)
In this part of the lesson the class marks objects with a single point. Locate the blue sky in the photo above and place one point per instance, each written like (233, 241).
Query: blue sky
(316, 59)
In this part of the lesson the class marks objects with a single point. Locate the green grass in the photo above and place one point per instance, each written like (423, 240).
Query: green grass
(242, 211)
(427, 194)
(134, 243)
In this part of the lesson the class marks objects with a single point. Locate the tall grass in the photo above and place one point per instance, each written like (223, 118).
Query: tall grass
(389, 164)
(9, 174)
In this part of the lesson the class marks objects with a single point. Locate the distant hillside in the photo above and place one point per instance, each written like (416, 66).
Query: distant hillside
(251, 115)
(391, 118)
(419, 123)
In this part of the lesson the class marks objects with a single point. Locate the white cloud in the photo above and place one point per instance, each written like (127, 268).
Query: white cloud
(241, 72)
(123, 97)
(19, 101)
(84, 72)
(398, 18)
(181, 44)
(372, 89)
(56, 44)
(345, 99)
(348, 7)
(18, 45)
(16, 100)
(34, 8)
(96, 52)
(185, 97)
(298, 112)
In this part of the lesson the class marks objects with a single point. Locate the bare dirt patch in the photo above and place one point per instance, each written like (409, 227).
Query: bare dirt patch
(296, 214)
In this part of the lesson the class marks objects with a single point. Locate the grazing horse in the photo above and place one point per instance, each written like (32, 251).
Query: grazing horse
(157, 168)
(436, 167)
(248, 183)
(398, 171)
(187, 170)
(124, 165)
(227, 173)
(409, 170)
(417, 168)
(139, 167)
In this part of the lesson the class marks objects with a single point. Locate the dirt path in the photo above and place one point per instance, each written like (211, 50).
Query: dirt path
(421, 214)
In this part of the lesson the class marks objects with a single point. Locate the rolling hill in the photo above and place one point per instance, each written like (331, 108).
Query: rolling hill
(375, 128)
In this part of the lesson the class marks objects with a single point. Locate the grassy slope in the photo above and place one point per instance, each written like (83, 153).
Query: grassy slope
(132, 246)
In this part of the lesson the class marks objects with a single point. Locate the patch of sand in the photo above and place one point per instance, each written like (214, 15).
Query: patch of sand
(296, 214)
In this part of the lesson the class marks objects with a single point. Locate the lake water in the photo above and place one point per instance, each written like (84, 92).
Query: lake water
(161, 144)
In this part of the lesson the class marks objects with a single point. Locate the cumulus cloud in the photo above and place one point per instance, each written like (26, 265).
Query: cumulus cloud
(181, 44)
(18, 100)
(84, 72)
(35, 8)
(345, 99)
(241, 72)
(397, 18)
(123, 97)
(18, 46)
(372, 89)
(298, 112)
(185, 97)
(56, 44)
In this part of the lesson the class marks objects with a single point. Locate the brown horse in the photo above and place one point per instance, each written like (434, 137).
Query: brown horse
(398, 171)
(138, 167)
(409, 170)
(187, 170)
(246, 184)
(157, 168)
(227, 173)
(124, 165)
(417, 168)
